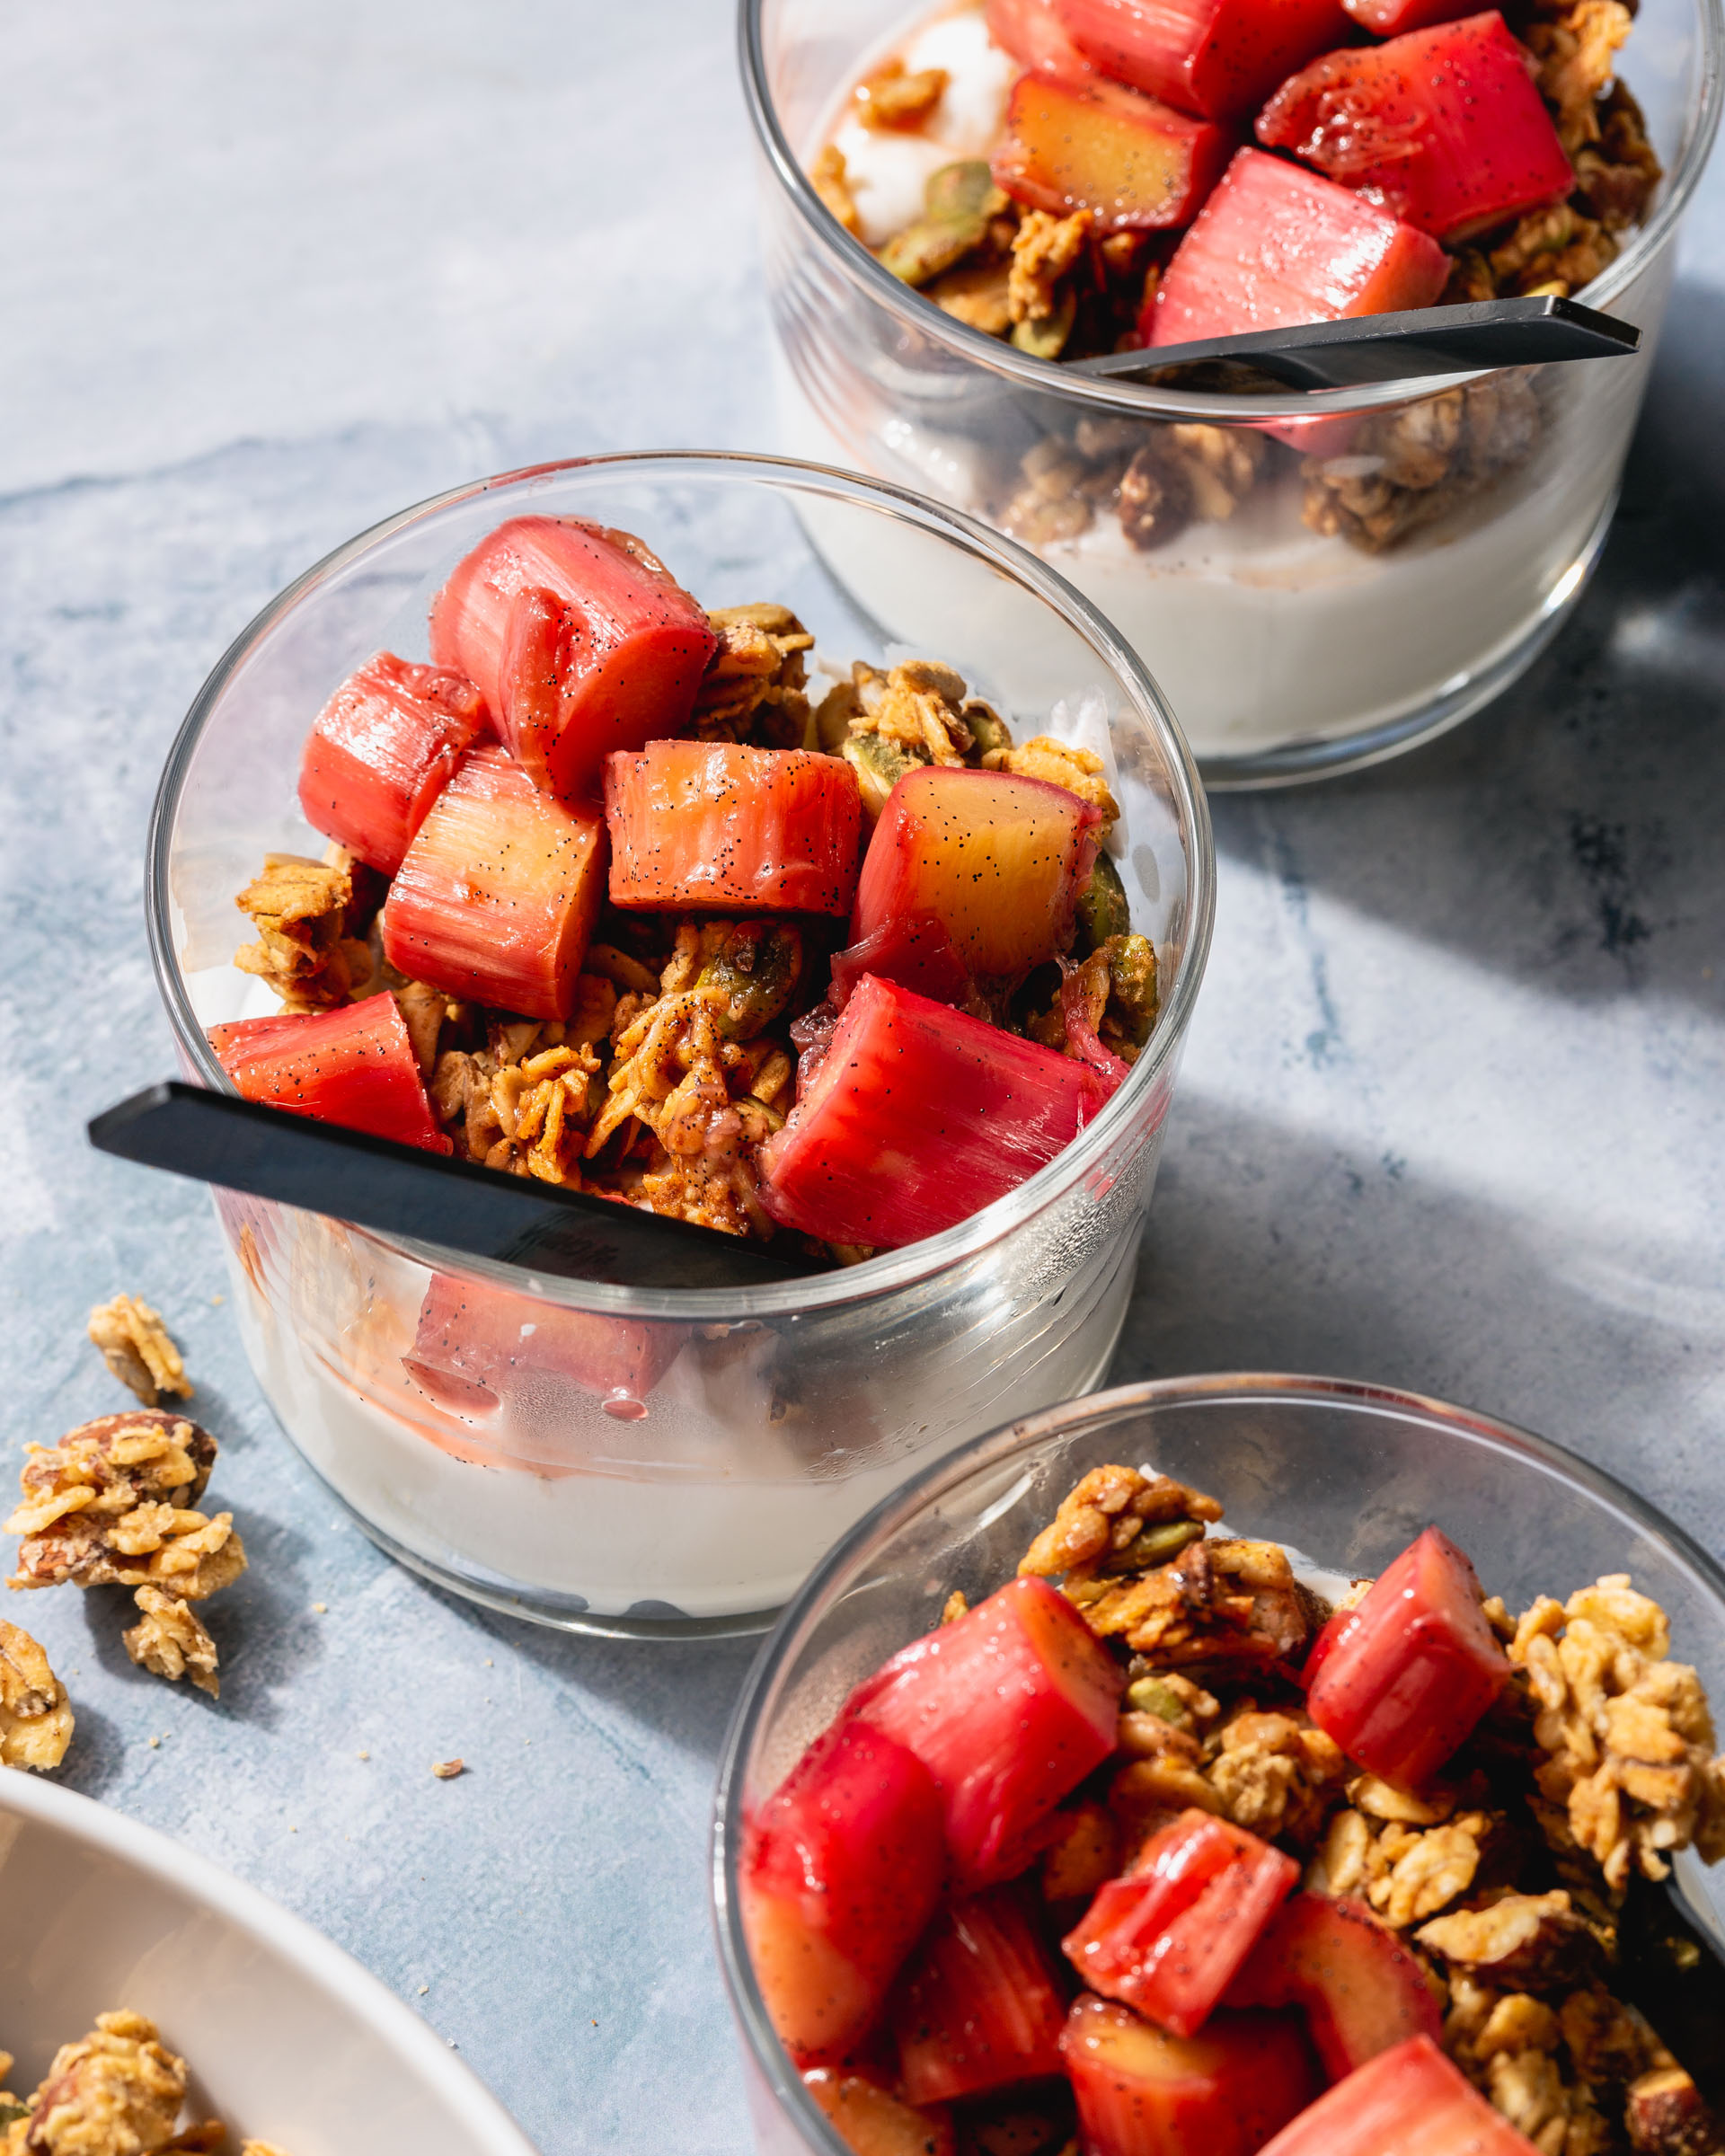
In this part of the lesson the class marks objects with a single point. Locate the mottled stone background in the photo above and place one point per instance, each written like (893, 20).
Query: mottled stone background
(1455, 1102)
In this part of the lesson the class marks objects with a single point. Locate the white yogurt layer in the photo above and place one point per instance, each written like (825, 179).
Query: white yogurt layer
(887, 171)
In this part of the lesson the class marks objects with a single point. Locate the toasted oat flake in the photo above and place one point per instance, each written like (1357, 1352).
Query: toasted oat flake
(169, 1641)
(136, 1347)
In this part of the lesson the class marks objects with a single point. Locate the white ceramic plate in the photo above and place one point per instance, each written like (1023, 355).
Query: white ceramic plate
(288, 2038)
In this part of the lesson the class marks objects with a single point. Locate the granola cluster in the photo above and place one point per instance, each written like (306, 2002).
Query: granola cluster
(753, 689)
(117, 2092)
(304, 951)
(1627, 1739)
(1510, 1906)
(35, 1720)
(114, 1504)
(135, 1346)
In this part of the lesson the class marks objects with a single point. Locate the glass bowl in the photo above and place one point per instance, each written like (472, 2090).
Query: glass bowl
(1288, 654)
(1346, 1473)
(669, 1461)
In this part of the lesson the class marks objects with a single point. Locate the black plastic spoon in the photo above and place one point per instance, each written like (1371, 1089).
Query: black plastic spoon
(403, 1190)
(1464, 339)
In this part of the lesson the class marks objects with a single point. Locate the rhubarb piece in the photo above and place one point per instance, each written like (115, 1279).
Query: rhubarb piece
(914, 950)
(1390, 18)
(1275, 245)
(581, 641)
(1134, 163)
(1031, 32)
(729, 828)
(872, 2122)
(1406, 2102)
(479, 1347)
(841, 1870)
(1169, 1937)
(1215, 58)
(354, 1066)
(916, 1117)
(381, 751)
(978, 2007)
(498, 894)
(1009, 1708)
(1143, 2092)
(1443, 127)
(1402, 1678)
(1361, 1990)
(999, 860)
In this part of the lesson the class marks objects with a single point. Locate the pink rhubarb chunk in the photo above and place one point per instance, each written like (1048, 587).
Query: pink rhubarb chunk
(1217, 57)
(1009, 1708)
(1443, 127)
(581, 641)
(1275, 245)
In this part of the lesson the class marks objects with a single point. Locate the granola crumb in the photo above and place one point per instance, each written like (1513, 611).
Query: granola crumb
(320, 1609)
(35, 1719)
(304, 953)
(891, 98)
(446, 1770)
(955, 1607)
(169, 1641)
(135, 1346)
(831, 181)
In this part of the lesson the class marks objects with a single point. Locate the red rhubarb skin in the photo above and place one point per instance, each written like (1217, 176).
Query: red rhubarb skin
(1033, 34)
(1390, 18)
(496, 896)
(1219, 59)
(1443, 127)
(732, 829)
(1275, 245)
(1136, 163)
(1143, 2092)
(1400, 1680)
(980, 2005)
(381, 751)
(480, 1348)
(912, 950)
(1361, 1991)
(1406, 2102)
(1169, 1937)
(918, 1117)
(581, 642)
(1009, 1708)
(355, 1067)
(841, 1870)
(998, 858)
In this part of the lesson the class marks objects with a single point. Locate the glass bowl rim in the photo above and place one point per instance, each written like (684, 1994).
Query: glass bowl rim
(892, 1270)
(1049, 378)
(766, 2054)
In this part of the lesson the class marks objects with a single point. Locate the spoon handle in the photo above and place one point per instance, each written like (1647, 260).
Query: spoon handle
(1462, 340)
(403, 1190)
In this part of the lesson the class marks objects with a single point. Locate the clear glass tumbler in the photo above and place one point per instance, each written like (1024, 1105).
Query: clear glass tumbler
(1290, 646)
(671, 1462)
(1345, 1473)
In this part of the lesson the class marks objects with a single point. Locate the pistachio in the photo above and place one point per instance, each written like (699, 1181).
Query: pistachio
(879, 765)
(1132, 996)
(757, 968)
(1046, 339)
(1102, 910)
(964, 190)
(1150, 1695)
(957, 205)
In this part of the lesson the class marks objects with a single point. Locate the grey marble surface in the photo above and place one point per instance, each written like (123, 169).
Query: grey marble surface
(1452, 1113)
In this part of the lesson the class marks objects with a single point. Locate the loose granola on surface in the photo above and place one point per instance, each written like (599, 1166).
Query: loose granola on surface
(137, 1348)
(1506, 1876)
(114, 1504)
(117, 2092)
(35, 1720)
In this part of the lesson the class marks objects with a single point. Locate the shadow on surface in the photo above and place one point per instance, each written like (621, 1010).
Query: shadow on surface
(1567, 836)
(1265, 1250)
